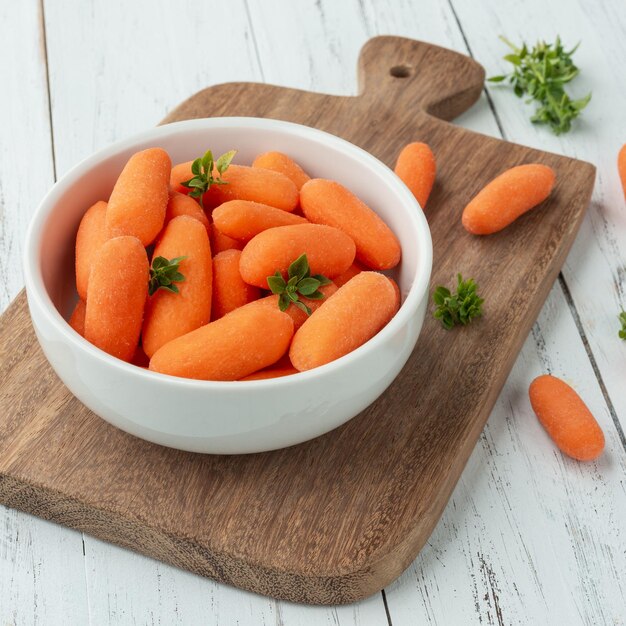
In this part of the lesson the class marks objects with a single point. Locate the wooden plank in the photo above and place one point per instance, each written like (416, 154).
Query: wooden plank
(381, 496)
(41, 564)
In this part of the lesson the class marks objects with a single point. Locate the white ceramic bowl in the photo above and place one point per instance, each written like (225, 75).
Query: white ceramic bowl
(224, 417)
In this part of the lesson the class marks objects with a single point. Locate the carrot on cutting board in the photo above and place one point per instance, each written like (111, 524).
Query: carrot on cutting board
(221, 242)
(329, 252)
(298, 315)
(168, 314)
(282, 367)
(179, 204)
(416, 167)
(77, 319)
(566, 418)
(242, 183)
(92, 233)
(350, 317)
(118, 287)
(243, 219)
(280, 162)
(229, 290)
(240, 343)
(327, 202)
(139, 198)
(621, 166)
(506, 197)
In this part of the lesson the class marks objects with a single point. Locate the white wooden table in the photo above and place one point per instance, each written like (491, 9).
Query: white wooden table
(529, 536)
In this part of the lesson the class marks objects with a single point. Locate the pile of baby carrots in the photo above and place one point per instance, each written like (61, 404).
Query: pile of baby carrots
(218, 271)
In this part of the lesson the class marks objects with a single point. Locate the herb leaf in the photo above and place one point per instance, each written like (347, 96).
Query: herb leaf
(299, 283)
(164, 273)
(202, 169)
(542, 73)
(622, 319)
(460, 307)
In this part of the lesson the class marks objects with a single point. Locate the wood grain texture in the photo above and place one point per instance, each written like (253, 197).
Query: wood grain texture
(345, 514)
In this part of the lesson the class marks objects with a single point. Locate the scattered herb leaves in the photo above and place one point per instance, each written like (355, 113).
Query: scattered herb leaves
(202, 170)
(622, 319)
(299, 283)
(164, 273)
(460, 307)
(541, 73)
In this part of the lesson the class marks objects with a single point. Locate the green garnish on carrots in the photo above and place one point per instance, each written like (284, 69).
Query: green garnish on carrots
(299, 283)
(542, 72)
(460, 307)
(202, 170)
(164, 273)
(622, 319)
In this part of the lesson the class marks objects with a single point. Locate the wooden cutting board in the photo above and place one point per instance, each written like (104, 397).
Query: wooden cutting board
(338, 518)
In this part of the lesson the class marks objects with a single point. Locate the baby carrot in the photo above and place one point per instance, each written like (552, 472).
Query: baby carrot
(140, 358)
(506, 197)
(329, 252)
(180, 204)
(77, 319)
(566, 418)
(352, 271)
(243, 219)
(229, 290)
(92, 233)
(328, 202)
(396, 289)
(350, 317)
(118, 287)
(221, 242)
(242, 183)
(139, 199)
(621, 166)
(240, 343)
(298, 315)
(416, 168)
(169, 315)
(280, 162)
(282, 367)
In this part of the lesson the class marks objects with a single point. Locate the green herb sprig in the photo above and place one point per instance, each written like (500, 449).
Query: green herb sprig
(460, 307)
(622, 319)
(202, 170)
(541, 73)
(164, 273)
(299, 283)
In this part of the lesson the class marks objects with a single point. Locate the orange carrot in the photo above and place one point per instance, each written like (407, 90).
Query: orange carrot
(139, 199)
(621, 166)
(280, 162)
(180, 204)
(282, 367)
(221, 242)
(352, 271)
(350, 317)
(169, 315)
(229, 290)
(240, 343)
(506, 197)
(140, 358)
(416, 168)
(118, 287)
(566, 418)
(243, 219)
(92, 233)
(396, 289)
(328, 202)
(298, 315)
(329, 252)
(77, 319)
(243, 183)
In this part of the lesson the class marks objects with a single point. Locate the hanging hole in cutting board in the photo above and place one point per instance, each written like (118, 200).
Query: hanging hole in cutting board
(401, 71)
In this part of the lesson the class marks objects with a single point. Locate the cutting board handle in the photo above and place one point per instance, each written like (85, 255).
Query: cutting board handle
(401, 72)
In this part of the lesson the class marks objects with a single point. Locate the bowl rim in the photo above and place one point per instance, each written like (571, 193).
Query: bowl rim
(37, 292)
